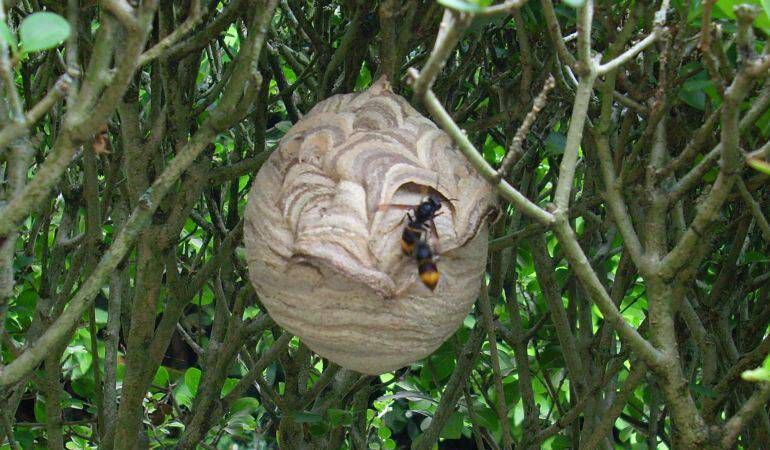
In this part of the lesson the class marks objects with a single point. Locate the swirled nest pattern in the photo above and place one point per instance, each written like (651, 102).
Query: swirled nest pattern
(323, 225)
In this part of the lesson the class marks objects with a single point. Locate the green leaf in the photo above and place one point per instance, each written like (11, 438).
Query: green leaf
(244, 405)
(459, 5)
(575, 3)
(284, 126)
(759, 165)
(693, 91)
(39, 409)
(384, 433)
(43, 30)
(318, 429)
(83, 387)
(364, 78)
(493, 152)
(161, 377)
(27, 299)
(703, 390)
(206, 297)
(453, 428)
(228, 386)
(306, 417)
(101, 316)
(289, 74)
(7, 35)
(84, 363)
(696, 99)
(192, 377)
(554, 143)
(561, 443)
(339, 417)
(711, 175)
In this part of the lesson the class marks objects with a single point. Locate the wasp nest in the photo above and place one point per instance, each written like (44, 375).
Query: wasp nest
(324, 223)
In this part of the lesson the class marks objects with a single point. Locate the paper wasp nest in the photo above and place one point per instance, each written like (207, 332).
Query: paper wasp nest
(322, 232)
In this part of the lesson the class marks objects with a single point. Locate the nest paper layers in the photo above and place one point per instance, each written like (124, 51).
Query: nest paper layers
(322, 232)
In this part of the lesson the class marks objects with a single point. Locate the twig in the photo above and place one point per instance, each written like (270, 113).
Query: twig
(693, 145)
(503, 8)
(190, 341)
(520, 354)
(20, 127)
(256, 371)
(194, 17)
(554, 30)
(5, 422)
(574, 136)
(710, 60)
(452, 26)
(96, 101)
(741, 418)
(729, 380)
(477, 160)
(200, 39)
(239, 95)
(584, 24)
(110, 395)
(574, 413)
(466, 360)
(756, 211)
(609, 416)
(730, 134)
(617, 205)
(628, 55)
(320, 384)
(762, 152)
(581, 266)
(473, 417)
(545, 271)
(516, 144)
(346, 43)
(123, 12)
(500, 405)
(6, 72)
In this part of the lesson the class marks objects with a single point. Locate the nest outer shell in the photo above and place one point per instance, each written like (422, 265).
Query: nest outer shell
(322, 234)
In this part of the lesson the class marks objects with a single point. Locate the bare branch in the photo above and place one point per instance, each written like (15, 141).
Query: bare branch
(756, 211)
(194, 17)
(516, 144)
(500, 405)
(452, 26)
(741, 418)
(477, 160)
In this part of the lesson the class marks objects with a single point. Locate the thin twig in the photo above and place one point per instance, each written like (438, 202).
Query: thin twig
(18, 128)
(194, 17)
(516, 144)
(452, 26)
(756, 211)
(507, 191)
(466, 360)
(500, 405)
(741, 418)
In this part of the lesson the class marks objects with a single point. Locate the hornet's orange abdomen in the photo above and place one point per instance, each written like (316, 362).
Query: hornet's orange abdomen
(428, 274)
(426, 266)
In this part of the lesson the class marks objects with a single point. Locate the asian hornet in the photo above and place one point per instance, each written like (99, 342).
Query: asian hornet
(426, 265)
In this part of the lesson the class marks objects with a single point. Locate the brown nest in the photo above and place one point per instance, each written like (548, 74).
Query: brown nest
(323, 245)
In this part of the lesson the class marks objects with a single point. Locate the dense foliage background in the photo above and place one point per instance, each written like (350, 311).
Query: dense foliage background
(627, 281)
